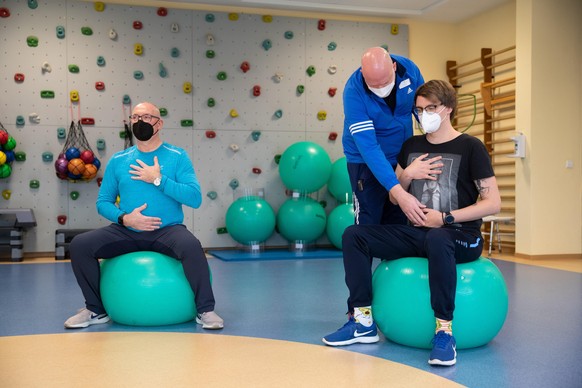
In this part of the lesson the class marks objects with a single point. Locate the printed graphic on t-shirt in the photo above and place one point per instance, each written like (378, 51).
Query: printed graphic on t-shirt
(440, 194)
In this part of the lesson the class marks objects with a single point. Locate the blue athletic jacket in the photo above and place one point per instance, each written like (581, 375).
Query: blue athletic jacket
(373, 134)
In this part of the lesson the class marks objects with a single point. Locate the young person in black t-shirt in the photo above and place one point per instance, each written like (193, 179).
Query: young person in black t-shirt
(450, 173)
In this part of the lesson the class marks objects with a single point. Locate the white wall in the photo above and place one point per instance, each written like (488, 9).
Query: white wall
(549, 42)
(216, 164)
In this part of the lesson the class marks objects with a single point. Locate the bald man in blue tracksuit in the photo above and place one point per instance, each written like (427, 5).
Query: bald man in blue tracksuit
(378, 101)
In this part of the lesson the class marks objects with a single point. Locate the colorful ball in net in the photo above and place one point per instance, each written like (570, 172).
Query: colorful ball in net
(72, 153)
(2, 158)
(76, 166)
(90, 172)
(10, 144)
(87, 156)
(10, 157)
(61, 165)
(73, 177)
(3, 137)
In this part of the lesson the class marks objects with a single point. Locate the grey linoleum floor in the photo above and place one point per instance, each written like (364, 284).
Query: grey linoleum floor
(299, 301)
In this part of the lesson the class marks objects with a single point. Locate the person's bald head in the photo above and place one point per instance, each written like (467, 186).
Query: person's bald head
(147, 107)
(377, 67)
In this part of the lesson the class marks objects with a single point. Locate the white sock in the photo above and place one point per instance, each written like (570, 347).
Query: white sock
(363, 315)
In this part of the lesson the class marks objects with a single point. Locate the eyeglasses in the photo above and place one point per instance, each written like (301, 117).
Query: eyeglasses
(428, 109)
(146, 118)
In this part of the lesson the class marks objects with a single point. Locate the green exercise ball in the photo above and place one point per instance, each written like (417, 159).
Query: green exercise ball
(339, 181)
(305, 167)
(401, 303)
(250, 220)
(301, 219)
(146, 289)
(338, 220)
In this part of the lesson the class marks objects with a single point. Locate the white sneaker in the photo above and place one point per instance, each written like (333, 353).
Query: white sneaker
(85, 318)
(210, 320)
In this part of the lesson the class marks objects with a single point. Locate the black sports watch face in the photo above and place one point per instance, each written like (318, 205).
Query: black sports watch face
(449, 219)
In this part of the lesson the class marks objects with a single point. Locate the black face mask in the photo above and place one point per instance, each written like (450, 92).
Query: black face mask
(142, 131)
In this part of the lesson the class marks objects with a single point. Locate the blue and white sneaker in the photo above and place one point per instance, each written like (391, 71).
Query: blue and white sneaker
(444, 350)
(353, 332)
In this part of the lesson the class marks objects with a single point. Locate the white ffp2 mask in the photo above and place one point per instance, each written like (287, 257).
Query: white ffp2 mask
(431, 122)
(383, 92)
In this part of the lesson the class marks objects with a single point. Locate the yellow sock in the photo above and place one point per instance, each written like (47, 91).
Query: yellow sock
(363, 315)
(442, 325)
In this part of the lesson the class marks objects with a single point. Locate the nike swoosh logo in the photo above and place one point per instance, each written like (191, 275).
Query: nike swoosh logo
(356, 334)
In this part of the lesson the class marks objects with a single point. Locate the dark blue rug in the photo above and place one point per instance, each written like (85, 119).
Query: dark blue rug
(275, 254)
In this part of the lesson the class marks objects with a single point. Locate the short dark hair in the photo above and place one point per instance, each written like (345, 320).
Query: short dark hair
(439, 91)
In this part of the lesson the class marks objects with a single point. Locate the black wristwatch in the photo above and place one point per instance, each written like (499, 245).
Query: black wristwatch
(448, 218)
(120, 219)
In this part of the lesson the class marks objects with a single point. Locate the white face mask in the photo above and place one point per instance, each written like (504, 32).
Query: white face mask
(431, 122)
(383, 92)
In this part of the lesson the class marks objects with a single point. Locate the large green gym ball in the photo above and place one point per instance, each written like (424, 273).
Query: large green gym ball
(250, 220)
(305, 167)
(301, 219)
(401, 302)
(338, 220)
(339, 181)
(146, 289)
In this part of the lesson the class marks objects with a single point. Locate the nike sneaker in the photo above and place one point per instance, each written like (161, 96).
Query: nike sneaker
(210, 320)
(85, 318)
(353, 332)
(444, 350)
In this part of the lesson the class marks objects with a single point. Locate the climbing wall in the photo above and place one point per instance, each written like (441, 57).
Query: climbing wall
(236, 90)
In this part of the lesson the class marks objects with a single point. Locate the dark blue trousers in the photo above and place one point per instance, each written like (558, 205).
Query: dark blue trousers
(175, 241)
(444, 247)
(371, 202)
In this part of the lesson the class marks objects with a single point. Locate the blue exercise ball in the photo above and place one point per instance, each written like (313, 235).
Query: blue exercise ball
(305, 167)
(339, 181)
(250, 220)
(338, 220)
(301, 219)
(401, 302)
(146, 289)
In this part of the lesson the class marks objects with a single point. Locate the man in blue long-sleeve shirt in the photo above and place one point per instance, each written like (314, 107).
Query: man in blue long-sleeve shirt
(378, 100)
(153, 179)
